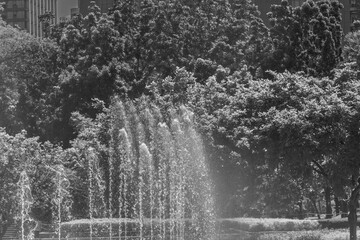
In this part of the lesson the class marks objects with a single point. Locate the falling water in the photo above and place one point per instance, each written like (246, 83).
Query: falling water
(96, 188)
(25, 201)
(59, 200)
(90, 176)
(23, 178)
(126, 173)
(110, 196)
(164, 151)
(24, 196)
(141, 189)
(157, 180)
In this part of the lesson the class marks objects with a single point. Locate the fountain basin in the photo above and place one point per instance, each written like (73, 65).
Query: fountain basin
(80, 228)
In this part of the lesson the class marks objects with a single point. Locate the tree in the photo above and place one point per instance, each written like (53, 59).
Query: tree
(306, 38)
(151, 39)
(351, 46)
(291, 123)
(26, 166)
(255, 116)
(46, 19)
(126, 50)
(28, 84)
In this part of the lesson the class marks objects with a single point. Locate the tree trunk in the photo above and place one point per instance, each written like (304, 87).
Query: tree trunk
(313, 201)
(301, 210)
(337, 206)
(344, 208)
(352, 218)
(328, 202)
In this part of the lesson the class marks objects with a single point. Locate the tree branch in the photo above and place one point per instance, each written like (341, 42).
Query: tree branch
(320, 169)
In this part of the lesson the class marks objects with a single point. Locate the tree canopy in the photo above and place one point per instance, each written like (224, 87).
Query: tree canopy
(306, 38)
(277, 107)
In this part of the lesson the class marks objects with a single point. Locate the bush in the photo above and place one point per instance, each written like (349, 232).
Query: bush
(335, 223)
(283, 229)
(291, 236)
(300, 235)
(324, 234)
(268, 224)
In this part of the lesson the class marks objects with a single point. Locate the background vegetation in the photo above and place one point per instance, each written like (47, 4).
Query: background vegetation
(277, 106)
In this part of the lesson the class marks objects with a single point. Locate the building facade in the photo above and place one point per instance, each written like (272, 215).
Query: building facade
(25, 14)
(354, 11)
(16, 13)
(67, 9)
(38, 8)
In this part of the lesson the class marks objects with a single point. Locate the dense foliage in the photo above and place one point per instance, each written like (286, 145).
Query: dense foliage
(306, 38)
(278, 107)
(29, 84)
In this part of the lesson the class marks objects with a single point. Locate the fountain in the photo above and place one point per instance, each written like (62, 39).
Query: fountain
(60, 199)
(155, 185)
(95, 188)
(25, 202)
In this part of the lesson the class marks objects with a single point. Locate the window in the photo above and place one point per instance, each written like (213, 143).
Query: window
(9, 4)
(20, 14)
(354, 3)
(20, 3)
(9, 15)
(15, 4)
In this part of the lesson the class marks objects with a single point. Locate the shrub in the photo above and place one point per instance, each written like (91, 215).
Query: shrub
(268, 224)
(324, 234)
(291, 236)
(335, 223)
